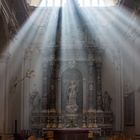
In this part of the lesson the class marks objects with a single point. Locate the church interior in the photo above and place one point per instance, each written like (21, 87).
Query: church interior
(69, 69)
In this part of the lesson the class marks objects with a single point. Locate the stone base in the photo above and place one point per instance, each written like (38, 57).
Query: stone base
(97, 119)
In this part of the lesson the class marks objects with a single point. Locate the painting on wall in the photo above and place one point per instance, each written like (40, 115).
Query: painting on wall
(129, 109)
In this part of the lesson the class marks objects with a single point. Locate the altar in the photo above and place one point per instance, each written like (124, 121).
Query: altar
(72, 100)
(71, 133)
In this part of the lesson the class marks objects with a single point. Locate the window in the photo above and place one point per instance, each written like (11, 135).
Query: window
(81, 3)
(96, 3)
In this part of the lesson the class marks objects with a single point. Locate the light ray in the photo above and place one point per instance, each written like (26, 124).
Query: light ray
(115, 34)
(70, 28)
(28, 38)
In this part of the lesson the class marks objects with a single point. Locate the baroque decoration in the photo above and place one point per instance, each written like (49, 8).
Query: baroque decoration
(72, 94)
(72, 84)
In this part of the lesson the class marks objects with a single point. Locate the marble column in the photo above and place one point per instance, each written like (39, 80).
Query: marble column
(44, 86)
(84, 96)
(59, 96)
(53, 87)
(99, 102)
(91, 87)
